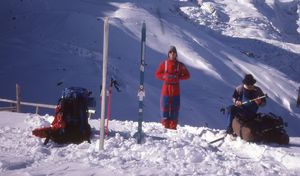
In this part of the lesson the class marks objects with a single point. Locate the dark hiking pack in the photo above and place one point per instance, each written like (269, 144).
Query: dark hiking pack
(70, 124)
(267, 128)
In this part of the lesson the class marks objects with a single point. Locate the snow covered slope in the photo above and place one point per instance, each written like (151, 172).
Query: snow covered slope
(46, 46)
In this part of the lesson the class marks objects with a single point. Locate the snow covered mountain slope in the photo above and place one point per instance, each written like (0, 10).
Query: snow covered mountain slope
(46, 46)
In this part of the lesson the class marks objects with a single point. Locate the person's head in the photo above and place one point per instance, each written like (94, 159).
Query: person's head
(248, 80)
(172, 53)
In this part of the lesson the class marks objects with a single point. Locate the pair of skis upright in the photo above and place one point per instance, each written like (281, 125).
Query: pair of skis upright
(141, 91)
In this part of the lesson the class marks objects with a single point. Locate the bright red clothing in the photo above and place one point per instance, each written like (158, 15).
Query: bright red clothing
(171, 75)
(171, 72)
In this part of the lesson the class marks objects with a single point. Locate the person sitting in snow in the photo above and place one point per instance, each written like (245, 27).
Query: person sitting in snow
(245, 92)
(171, 71)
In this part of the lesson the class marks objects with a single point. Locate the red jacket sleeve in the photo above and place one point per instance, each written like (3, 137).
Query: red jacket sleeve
(184, 74)
(160, 71)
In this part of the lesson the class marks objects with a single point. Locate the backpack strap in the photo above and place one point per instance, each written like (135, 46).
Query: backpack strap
(166, 67)
(241, 93)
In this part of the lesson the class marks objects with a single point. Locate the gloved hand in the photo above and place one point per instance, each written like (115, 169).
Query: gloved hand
(167, 77)
(238, 103)
(258, 101)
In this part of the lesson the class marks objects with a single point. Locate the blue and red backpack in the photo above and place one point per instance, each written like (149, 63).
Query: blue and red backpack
(70, 124)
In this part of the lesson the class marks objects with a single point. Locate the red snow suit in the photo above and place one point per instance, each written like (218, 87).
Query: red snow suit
(171, 72)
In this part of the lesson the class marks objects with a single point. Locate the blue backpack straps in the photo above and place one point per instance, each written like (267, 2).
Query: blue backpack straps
(77, 104)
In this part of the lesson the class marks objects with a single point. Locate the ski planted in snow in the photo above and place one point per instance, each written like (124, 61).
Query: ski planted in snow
(141, 91)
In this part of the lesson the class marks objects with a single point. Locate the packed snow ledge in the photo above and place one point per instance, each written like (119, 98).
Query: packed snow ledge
(164, 152)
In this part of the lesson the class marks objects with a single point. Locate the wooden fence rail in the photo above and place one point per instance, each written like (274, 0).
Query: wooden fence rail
(14, 108)
(16, 104)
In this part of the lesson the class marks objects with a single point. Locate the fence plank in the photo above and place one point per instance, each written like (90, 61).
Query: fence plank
(7, 108)
(8, 101)
(29, 104)
(36, 105)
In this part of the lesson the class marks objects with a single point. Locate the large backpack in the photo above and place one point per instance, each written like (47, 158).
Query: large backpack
(267, 128)
(70, 124)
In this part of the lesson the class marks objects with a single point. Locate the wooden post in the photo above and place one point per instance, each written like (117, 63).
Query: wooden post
(37, 110)
(18, 104)
(104, 74)
(298, 99)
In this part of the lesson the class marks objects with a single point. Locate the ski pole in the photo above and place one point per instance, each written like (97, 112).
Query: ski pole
(219, 139)
(100, 95)
(116, 85)
(108, 104)
(276, 127)
(113, 83)
(223, 110)
(254, 99)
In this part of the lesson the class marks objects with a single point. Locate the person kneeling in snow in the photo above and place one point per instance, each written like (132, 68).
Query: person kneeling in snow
(243, 93)
(171, 71)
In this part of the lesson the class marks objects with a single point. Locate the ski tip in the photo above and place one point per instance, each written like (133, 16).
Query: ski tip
(144, 25)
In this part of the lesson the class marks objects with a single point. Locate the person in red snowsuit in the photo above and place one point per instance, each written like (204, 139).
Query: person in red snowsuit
(171, 71)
